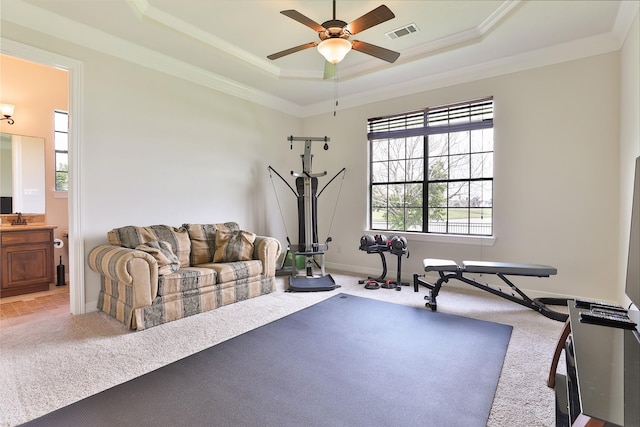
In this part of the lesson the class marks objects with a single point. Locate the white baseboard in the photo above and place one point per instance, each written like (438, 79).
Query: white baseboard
(91, 306)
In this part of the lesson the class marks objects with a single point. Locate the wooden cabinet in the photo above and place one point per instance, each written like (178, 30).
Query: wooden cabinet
(27, 260)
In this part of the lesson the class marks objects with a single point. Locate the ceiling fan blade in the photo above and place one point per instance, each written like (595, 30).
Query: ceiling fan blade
(377, 51)
(368, 20)
(329, 70)
(294, 14)
(292, 50)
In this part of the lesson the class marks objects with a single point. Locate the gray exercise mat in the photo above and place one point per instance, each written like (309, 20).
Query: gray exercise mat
(347, 361)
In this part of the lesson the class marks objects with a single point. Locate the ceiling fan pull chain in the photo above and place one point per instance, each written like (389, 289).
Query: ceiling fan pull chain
(335, 90)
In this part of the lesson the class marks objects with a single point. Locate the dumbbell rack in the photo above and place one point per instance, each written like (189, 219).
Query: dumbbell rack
(381, 249)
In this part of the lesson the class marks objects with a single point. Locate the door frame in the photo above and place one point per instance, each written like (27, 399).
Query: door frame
(77, 303)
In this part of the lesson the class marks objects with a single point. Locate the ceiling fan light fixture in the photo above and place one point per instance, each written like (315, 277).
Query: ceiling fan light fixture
(334, 49)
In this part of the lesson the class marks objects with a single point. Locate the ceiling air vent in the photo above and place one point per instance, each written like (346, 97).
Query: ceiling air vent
(402, 31)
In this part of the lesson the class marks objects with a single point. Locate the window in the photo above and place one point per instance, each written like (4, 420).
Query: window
(431, 171)
(61, 144)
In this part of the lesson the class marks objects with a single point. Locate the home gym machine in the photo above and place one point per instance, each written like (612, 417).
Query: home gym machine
(308, 247)
(379, 244)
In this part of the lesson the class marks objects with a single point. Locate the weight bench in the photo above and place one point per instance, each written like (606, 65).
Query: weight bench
(450, 270)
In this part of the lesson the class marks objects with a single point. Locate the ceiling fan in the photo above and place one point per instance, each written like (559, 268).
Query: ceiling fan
(334, 36)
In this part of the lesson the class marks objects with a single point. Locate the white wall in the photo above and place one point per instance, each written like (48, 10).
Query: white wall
(556, 176)
(160, 150)
(629, 138)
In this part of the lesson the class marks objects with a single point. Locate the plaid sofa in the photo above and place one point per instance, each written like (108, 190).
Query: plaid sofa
(156, 274)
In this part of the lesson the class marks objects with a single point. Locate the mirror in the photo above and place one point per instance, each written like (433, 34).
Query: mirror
(22, 176)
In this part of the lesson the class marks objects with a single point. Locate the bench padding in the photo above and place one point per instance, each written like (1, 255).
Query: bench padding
(431, 264)
(508, 268)
(489, 267)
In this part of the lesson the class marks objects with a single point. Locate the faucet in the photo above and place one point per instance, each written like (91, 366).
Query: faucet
(20, 220)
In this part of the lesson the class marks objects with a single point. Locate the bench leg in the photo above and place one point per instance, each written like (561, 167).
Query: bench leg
(417, 282)
(434, 289)
(431, 301)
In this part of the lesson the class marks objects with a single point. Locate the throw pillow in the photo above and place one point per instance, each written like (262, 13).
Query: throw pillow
(203, 240)
(132, 236)
(168, 262)
(233, 246)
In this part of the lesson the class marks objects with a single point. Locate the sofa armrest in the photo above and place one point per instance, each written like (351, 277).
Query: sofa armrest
(130, 267)
(267, 250)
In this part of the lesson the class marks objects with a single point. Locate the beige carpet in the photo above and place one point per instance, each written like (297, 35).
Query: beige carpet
(50, 364)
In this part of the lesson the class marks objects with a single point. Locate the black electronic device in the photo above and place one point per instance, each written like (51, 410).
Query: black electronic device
(614, 311)
(590, 303)
(632, 285)
(607, 319)
(6, 205)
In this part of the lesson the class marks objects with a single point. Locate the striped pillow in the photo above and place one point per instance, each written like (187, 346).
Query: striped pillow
(167, 261)
(203, 240)
(132, 236)
(234, 246)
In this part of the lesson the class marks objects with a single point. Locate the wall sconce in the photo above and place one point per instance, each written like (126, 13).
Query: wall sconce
(7, 111)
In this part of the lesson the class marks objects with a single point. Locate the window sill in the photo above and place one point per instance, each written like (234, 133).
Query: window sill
(440, 238)
(60, 194)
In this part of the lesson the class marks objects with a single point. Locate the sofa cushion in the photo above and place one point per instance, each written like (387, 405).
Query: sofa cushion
(186, 280)
(229, 272)
(132, 236)
(203, 240)
(234, 246)
(168, 262)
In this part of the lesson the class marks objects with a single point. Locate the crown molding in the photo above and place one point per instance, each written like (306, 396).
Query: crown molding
(570, 51)
(146, 11)
(626, 14)
(498, 15)
(38, 19)
(472, 34)
(441, 44)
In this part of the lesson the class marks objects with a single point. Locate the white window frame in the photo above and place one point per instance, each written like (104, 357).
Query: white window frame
(61, 132)
(402, 130)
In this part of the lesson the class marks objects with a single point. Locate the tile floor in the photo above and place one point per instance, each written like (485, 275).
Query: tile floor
(22, 309)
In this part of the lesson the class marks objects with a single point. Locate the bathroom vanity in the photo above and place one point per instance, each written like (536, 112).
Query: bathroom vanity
(26, 241)
(27, 258)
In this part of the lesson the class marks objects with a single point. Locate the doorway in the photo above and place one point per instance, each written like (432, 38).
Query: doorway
(75, 233)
